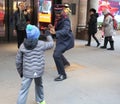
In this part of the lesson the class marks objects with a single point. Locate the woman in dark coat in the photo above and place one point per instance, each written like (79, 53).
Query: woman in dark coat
(92, 26)
(64, 41)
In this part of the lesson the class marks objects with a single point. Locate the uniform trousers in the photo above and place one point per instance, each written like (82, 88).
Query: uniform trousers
(60, 60)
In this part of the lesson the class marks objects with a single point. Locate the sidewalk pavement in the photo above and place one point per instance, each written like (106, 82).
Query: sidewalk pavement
(93, 77)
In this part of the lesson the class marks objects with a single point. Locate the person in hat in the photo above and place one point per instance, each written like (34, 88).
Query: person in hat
(108, 29)
(64, 41)
(30, 63)
(92, 27)
(67, 9)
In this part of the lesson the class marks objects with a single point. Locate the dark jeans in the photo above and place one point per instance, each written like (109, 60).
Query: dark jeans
(60, 60)
(21, 35)
(89, 38)
(110, 40)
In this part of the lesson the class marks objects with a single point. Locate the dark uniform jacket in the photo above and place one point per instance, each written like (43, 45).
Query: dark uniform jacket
(20, 20)
(64, 34)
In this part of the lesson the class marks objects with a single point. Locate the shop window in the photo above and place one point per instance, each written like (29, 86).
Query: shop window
(2, 18)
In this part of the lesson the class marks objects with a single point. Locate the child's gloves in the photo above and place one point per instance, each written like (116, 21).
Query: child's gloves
(47, 33)
(21, 75)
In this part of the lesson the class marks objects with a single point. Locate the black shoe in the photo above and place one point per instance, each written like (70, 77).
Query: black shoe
(103, 47)
(60, 78)
(110, 49)
(87, 44)
(98, 44)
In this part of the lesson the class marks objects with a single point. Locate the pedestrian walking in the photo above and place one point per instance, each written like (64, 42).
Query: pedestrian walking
(108, 29)
(30, 63)
(92, 26)
(64, 41)
(20, 20)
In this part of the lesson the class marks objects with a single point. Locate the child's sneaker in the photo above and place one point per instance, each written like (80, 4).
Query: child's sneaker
(43, 102)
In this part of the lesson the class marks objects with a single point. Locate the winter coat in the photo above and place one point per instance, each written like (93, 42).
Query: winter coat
(108, 26)
(30, 59)
(20, 20)
(64, 35)
(92, 24)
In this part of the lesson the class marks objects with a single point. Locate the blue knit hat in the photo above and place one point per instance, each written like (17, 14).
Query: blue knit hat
(32, 31)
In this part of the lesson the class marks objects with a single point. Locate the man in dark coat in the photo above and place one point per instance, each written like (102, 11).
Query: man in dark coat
(20, 20)
(64, 41)
(92, 26)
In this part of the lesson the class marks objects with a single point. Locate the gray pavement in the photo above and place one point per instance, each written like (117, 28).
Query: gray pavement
(93, 77)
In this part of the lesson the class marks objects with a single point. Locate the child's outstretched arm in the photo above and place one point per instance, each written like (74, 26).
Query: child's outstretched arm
(50, 43)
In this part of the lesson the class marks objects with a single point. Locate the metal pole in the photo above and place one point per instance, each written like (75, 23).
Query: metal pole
(78, 13)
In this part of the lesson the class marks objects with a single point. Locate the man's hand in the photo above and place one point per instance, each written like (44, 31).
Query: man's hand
(52, 31)
(50, 26)
(14, 31)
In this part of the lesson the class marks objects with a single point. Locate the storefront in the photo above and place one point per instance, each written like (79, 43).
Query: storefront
(45, 12)
(2, 18)
(7, 9)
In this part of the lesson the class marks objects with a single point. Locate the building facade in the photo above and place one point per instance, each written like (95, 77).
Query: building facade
(78, 17)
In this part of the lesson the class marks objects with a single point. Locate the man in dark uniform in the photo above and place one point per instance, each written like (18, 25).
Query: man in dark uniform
(64, 40)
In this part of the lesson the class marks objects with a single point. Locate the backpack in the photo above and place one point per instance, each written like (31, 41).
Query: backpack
(115, 23)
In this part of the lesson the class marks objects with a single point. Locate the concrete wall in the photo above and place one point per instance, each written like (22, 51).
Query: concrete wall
(82, 12)
(93, 4)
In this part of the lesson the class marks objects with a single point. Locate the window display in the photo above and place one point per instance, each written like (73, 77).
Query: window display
(2, 17)
(45, 11)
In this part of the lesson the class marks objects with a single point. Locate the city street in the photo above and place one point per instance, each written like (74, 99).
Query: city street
(93, 77)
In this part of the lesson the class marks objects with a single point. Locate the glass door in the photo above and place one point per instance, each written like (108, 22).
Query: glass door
(7, 9)
(2, 18)
(15, 4)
